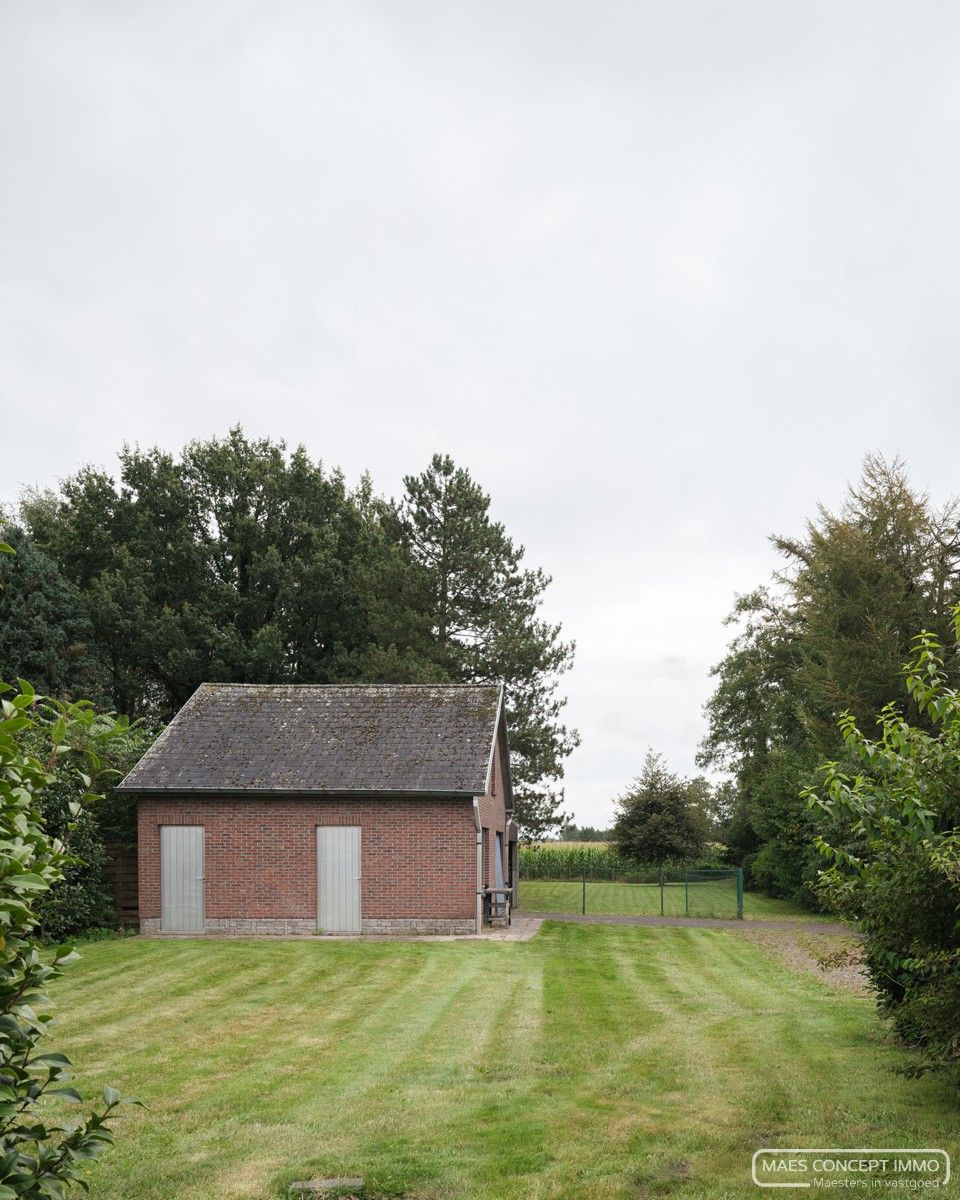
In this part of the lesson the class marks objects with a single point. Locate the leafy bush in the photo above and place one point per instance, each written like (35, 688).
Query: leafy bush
(786, 862)
(38, 1161)
(898, 870)
(83, 898)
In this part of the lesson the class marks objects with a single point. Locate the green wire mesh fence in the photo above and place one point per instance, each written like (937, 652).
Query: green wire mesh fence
(670, 892)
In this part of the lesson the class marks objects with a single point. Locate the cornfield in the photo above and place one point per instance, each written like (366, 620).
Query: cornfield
(573, 860)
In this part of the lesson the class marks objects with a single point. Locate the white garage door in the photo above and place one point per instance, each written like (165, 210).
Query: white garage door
(181, 878)
(338, 878)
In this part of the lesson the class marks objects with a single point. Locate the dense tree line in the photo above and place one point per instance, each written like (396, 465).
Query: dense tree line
(571, 832)
(827, 635)
(237, 560)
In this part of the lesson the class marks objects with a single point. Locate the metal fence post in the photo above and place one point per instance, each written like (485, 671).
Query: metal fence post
(740, 893)
(661, 889)
(686, 892)
(584, 891)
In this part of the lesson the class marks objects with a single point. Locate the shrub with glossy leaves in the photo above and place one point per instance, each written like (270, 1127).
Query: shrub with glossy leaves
(39, 1157)
(898, 869)
(108, 745)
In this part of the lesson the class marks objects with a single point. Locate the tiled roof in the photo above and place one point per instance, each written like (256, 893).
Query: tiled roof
(333, 739)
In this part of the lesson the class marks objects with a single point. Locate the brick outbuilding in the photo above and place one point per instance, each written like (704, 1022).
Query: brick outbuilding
(303, 808)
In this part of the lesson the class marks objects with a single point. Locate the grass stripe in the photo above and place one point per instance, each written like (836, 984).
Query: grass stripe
(600, 1061)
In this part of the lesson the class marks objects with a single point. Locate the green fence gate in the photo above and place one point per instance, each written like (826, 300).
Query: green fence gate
(670, 892)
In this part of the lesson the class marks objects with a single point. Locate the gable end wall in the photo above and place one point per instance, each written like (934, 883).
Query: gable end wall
(493, 816)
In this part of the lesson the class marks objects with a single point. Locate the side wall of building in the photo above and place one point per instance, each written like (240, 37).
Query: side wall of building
(494, 817)
(418, 861)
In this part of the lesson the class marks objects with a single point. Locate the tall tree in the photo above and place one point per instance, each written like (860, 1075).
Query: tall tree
(661, 816)
(828, 636)
(756, 732)
(234, 561)
(861, 582)
(483, 607)
(45, 633)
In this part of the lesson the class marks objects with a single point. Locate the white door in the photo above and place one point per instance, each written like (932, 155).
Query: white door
(338, 878)
(181, 878)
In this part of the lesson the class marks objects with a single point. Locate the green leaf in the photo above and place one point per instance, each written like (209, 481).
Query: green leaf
(27, 880)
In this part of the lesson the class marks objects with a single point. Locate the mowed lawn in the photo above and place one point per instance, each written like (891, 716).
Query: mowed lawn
(602, 897)
(591, 1061)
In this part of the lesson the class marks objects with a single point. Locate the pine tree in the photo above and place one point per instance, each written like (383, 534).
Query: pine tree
(828, 637)
(483, 608)
(860, 583)
(660, 817)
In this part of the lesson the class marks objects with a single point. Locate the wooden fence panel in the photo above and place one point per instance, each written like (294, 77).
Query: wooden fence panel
(120, 869)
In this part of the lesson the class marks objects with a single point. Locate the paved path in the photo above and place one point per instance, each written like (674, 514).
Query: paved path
(695, 922)
(521, 929)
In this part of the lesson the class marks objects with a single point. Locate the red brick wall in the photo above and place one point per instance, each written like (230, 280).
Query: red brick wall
(418, 856)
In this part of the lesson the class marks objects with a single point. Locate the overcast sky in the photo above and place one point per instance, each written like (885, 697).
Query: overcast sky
(659, 274)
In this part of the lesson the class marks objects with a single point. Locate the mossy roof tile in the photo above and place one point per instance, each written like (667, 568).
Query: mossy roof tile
(325, 738)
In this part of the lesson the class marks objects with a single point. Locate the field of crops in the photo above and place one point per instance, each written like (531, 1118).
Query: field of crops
(573, 860)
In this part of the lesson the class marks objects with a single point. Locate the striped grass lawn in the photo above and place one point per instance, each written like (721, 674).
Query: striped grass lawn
(710, 899)
(591, 1061)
